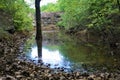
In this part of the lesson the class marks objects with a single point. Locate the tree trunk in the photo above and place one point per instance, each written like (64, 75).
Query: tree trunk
(38, 20)
(38, 28)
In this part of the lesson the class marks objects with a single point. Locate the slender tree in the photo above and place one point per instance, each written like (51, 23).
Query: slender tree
(38, 28)
(38, 20)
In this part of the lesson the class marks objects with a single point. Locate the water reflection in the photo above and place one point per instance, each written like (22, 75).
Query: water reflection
(62, 51)
(39, 47)
(54, 58)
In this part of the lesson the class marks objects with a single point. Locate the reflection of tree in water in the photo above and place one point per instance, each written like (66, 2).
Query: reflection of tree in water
(39, 46)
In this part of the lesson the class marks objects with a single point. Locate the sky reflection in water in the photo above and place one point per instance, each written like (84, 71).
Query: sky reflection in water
(51, 57)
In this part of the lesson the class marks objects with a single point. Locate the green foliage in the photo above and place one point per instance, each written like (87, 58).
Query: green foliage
(75, 13)
(50, 7)
(88, 13)
(20, 12)
(99, 13)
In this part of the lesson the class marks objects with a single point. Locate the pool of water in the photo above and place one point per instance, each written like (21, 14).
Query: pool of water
(60, 50)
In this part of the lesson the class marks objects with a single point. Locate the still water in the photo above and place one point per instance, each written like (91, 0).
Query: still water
(54, 58)
(60, 50)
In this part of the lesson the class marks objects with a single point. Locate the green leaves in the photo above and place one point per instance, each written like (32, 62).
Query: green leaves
(20, 13)
(85, 13)
(50, 8)
(99, 13)
(75, 12)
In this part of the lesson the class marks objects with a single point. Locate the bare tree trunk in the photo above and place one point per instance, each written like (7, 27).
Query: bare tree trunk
(38, 20)
(38, 28)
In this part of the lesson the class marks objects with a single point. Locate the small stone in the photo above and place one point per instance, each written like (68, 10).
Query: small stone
(17, 73)
(62, 78)
(32, 75)
(49, 75)
(102, 75)
(47, 71)
(77, 74)
(92, 76)
(19, 76)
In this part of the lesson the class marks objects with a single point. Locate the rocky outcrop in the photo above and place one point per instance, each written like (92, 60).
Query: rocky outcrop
(48, 18)
(6, 21)
(6, 25)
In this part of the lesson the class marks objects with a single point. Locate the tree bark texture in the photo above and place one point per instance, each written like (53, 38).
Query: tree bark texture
(38, 20)
(38, 28)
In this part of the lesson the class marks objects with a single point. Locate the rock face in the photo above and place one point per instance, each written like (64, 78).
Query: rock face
(6, 22)
(6, 25)
(48, 18)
